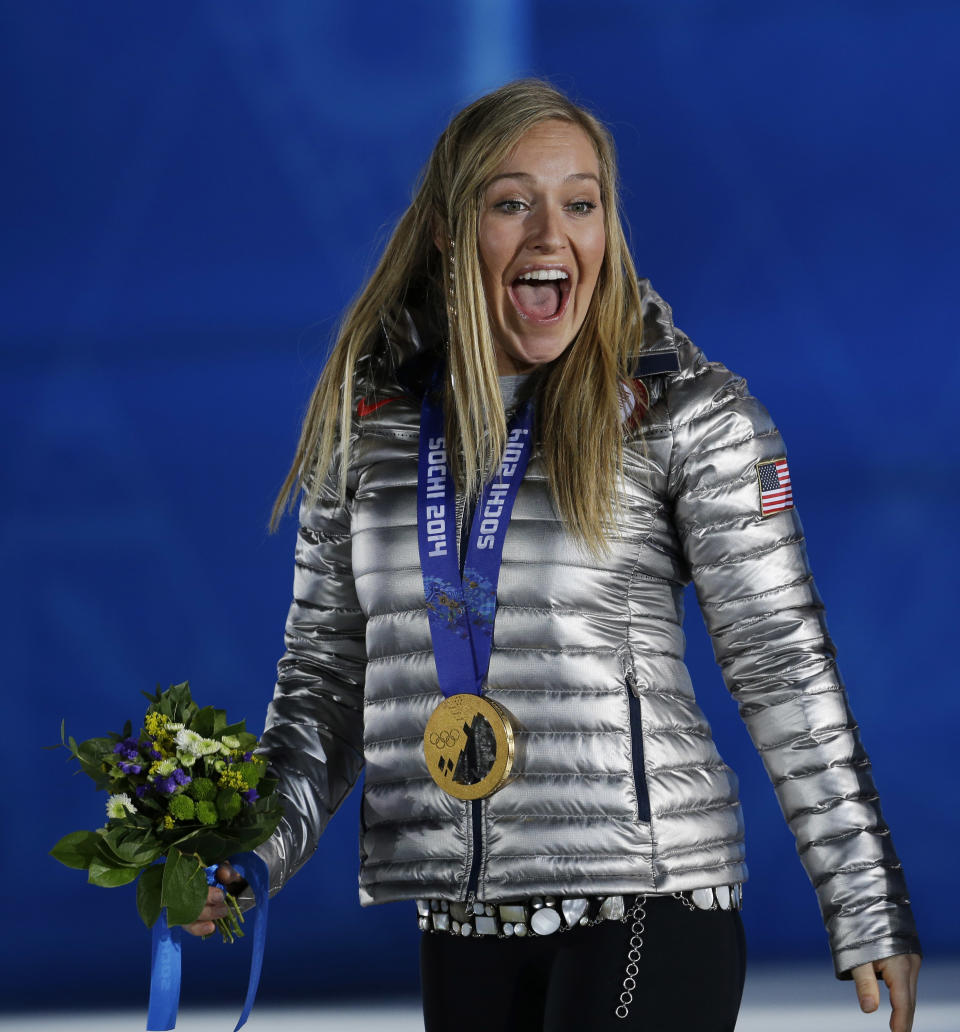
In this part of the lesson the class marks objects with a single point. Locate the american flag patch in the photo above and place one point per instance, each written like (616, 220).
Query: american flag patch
(775, 491)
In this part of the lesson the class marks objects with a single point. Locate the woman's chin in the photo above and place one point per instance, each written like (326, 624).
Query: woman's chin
(525, 356)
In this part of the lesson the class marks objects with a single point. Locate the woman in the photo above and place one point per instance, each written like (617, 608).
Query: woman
(510, 425)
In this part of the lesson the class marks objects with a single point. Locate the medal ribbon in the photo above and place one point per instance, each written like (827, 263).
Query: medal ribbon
(462, 608)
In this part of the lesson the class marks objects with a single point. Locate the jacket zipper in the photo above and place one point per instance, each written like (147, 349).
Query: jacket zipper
(476, 824)
(636, 748)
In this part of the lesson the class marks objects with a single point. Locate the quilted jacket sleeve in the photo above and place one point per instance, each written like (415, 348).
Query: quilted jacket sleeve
(766, 620)
(314, 730)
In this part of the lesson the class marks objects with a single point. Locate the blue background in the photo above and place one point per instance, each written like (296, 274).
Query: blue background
(193, 191)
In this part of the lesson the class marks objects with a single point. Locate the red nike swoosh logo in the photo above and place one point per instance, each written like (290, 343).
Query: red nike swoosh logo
(364, 408)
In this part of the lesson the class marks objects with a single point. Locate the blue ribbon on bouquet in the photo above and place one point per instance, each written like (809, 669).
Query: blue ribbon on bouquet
(165, 963)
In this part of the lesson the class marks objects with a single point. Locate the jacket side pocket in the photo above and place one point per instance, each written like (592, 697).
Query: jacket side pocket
(636, 738)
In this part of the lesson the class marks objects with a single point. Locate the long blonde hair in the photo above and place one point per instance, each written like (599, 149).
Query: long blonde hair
(579, 397)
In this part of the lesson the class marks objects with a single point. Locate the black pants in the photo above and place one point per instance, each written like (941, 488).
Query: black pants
(691, 976)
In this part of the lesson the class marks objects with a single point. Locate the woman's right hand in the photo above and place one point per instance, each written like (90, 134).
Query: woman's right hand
(216, 906)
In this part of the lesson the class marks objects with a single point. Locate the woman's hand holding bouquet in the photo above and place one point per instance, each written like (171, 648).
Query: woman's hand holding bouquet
(187, 790)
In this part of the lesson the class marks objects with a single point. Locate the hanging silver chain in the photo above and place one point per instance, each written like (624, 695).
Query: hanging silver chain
(683, 899)
(639, 914)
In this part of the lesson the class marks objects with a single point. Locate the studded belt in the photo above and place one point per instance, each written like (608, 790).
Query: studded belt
(544, 915)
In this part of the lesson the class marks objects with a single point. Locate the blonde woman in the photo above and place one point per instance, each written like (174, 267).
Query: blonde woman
(512, 464)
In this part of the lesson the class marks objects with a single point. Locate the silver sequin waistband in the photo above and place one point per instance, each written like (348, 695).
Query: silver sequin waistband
(544, 915)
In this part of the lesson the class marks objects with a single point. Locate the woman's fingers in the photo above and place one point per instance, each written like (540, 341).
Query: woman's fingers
(228, 876)
(868, 992)
(228, 880)
(900, 974)
(213, 910)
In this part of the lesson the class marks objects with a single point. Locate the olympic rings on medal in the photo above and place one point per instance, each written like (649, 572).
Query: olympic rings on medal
(447, 739)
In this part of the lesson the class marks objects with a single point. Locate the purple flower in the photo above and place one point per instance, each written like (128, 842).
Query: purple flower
(250, 795)
(130, 768)
(141, 791)
(128, 748)
(181, 776)
(247, 757)
(152, 752)
(166, 785)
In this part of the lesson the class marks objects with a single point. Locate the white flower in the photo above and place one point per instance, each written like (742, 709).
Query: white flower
(208, 747)
(118, 805)
(230, 742)
(165, 768)
(173, 728)
(189, 742)
(186, 759)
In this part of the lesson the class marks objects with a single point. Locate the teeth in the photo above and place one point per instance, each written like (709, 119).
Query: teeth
(544, 274)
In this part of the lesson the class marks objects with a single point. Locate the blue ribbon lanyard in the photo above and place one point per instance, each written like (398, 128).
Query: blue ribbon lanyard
(462, 608)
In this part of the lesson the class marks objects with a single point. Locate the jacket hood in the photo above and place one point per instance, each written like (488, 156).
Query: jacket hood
(659, 351)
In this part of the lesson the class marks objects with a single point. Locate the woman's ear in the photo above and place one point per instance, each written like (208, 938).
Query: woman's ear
(440, 235)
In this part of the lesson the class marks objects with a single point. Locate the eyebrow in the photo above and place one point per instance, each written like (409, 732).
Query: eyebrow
(529, 178)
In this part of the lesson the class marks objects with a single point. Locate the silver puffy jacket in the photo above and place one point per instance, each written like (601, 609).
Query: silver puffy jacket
(620, 788)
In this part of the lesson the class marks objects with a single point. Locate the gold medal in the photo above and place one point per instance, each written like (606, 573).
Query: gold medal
(468, 743)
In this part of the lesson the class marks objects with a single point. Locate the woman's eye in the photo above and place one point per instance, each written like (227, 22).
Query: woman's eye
(511, 206)
(581, 207)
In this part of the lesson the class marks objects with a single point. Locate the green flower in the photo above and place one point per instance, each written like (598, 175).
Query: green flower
(120, 805)
(228, 804)
(186, 759)
(206, 812)
(202, 789)
(181, 807)
(230, 742)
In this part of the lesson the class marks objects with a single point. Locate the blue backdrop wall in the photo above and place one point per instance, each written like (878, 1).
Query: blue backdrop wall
(193, 192)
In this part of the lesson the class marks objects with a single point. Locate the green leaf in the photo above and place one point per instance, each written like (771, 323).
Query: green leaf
(76, 849)
(110, 877)
(135, 846)
(246, 840)
(148, 894)
(107, 848)
(177, 696)
(204, 722)
(91, 755)
(184, 889)
(209, 844)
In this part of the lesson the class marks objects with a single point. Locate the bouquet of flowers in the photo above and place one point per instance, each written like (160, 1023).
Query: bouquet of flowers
(186, 789)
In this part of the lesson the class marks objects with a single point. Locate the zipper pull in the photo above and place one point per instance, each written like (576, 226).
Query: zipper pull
(631, 682)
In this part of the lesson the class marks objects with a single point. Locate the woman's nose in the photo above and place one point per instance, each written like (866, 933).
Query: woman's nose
(546, 234)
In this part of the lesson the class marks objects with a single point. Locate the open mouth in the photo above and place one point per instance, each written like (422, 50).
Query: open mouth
(541, 295)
